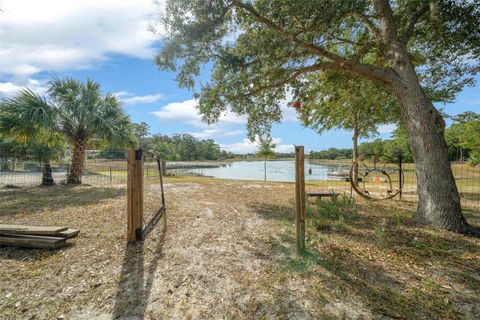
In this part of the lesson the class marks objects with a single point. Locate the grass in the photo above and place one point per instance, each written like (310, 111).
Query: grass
(373, 254)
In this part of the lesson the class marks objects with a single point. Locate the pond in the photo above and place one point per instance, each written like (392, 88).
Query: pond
(275, 171)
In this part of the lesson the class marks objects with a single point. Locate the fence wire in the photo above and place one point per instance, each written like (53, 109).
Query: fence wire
(324, 175)
(109, 169)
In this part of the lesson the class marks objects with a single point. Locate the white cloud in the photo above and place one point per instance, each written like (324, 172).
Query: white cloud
(216, 133)
(187, 113)
(9, 88)
(57, 35)
(386, 128)
(130, 99)
(247, 146)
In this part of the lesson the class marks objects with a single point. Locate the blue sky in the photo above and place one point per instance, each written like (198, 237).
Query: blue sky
(110, 42)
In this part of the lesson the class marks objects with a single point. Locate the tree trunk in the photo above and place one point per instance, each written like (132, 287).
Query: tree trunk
(355, 152)
(5, 167)
(438, 198)
(78, 163)
(265, 169)
(47, 178)
(439, 201)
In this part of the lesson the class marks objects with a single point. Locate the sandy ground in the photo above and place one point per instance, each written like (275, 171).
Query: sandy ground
(223, 250)
(206, 258)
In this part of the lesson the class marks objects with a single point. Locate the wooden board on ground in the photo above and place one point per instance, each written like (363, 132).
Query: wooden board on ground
(29, 241)
(69, 233)
(321, 194)
(33, 230)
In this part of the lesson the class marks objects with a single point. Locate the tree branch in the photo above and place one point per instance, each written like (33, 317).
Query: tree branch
(284, 58)
(377, 74)
(388, 28)
(381, 76)
(310, 47)
(410, 27)
(367, 22)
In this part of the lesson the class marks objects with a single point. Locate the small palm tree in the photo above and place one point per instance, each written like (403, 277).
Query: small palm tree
(74, 111)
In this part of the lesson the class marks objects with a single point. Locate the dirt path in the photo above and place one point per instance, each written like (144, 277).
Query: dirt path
(214, 258)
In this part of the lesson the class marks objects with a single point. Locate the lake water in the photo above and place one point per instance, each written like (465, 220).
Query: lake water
(276, 171)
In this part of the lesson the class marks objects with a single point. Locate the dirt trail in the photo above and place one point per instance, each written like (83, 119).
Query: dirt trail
(207, 258)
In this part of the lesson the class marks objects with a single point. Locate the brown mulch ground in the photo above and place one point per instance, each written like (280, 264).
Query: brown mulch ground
(225, 249)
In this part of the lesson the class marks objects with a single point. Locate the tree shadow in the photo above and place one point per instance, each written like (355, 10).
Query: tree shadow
(138, 274)
(34, 199)
(273, 211)
(29, 254)
(374, 257)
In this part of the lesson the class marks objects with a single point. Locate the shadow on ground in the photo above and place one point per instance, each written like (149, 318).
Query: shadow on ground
(33, 199)
(138, 274)
(377, 260)
(273, 211)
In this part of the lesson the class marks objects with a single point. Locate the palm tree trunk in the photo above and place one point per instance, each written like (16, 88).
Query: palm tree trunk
(78, 163)
(47, 178)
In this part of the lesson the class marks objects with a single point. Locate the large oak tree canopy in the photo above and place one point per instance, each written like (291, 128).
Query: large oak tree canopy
(421, 51)
(259, 48)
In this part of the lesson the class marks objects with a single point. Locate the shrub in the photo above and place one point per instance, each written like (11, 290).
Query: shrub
(333, 210)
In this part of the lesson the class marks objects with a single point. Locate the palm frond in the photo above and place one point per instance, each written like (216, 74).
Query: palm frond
(27, 114)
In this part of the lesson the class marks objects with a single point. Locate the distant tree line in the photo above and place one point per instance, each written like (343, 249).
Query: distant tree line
(184, 147)
(179, 147)
(462, 137)
(332, 154)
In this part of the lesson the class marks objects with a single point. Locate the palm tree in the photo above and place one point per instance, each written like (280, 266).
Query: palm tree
(72, 110)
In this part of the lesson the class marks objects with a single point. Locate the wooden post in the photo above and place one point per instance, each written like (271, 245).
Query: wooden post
(300, 199)
(135, 195)
(164, 168)
(400, 176)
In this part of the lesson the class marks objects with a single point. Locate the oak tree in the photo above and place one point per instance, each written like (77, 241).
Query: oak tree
(259, 50)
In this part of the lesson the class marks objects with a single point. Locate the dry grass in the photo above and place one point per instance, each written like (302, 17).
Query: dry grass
(225, 249)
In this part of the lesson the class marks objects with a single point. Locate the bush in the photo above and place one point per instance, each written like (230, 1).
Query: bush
(333, 210)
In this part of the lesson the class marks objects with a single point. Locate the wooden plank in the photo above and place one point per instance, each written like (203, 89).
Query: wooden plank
(69, 233)
(300, 199)
(35, 230)
(28, 241)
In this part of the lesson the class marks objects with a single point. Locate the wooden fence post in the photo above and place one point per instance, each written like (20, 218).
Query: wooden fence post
(300, 199)
(164, 168)
(135, 195)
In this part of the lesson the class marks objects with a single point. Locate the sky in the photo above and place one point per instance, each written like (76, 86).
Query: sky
(111, 41)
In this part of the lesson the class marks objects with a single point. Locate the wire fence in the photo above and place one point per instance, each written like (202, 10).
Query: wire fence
(321, 175)
(383, 178)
